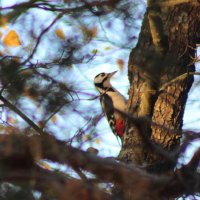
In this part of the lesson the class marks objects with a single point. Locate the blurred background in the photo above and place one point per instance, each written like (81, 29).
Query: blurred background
(50, 54)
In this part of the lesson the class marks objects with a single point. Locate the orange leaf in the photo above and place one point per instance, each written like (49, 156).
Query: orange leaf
(94, 31)
(54, 119)
(59, 33)
(46, 166)
(120, 63)
(12, 39)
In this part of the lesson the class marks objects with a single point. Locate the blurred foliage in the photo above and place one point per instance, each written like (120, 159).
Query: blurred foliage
(10, 78)
(47, 50)
(49, 53)
(11, 192)
(44, 43)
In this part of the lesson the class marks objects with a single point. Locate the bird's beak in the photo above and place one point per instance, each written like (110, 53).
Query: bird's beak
(112, 73)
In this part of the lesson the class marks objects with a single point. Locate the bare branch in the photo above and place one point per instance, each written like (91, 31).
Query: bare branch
(53, 184)
(47, 147)
(40, 37)
(179, 78)
(21, 114)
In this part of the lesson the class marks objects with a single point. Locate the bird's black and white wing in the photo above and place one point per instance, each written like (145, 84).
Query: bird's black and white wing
(108, 109)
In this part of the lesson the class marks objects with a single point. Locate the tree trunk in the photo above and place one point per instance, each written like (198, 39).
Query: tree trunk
(158, 94)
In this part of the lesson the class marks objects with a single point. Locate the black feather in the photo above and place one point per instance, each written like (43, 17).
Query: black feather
(108, 109)
(100, 85)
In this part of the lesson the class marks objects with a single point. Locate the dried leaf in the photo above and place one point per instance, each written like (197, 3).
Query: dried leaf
(54, 119)
(27, 73)
(12, 120)
(3, 22)
(59, 33)
(12, 39)
(86, 137)
(94, 31)
(89, 33)
(120, 63)
(31, 93)
(97, 141)
(94, 51)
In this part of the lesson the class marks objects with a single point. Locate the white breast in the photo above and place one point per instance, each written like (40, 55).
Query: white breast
(119, 101)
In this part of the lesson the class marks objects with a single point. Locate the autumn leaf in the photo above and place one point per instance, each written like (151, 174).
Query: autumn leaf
(60, 34)
(120, 63)
(12, 120)
(12, 39)
(45, 165)
(86, 137)
(54, 119)
(3, 22)
(94, 51)
(93, 32)
(26, 73)
(89, 33)
(31, 93)
(97, 141)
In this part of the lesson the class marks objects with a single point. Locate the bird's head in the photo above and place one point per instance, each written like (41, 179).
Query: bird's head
(102, 81)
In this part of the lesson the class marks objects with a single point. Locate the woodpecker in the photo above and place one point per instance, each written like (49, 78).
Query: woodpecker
(111, 101)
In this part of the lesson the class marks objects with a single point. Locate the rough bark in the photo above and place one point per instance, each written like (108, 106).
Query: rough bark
(165, 50)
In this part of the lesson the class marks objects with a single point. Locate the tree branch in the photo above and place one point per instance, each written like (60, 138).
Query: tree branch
(179, 78)
(54, 184)
(21, 114)
(47, 147)
(40, 37)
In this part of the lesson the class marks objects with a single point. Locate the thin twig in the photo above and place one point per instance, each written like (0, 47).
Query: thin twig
(21, 114)
(54, 113)
(40, 37)
(178, 78)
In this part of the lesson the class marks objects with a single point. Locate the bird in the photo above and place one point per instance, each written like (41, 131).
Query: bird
(112, 101)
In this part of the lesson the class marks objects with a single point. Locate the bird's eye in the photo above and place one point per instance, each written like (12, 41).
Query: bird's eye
(102, 74)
